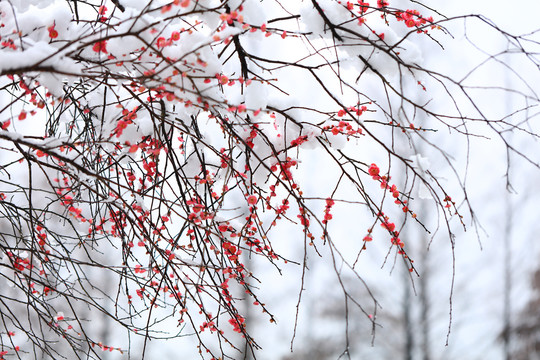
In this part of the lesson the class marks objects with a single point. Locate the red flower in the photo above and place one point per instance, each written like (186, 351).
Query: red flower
(100, 46)
(252, 200)
(374, 170)
(53, 34)
(161, 42)
(389, 226)
(300, 140)
(364, 6)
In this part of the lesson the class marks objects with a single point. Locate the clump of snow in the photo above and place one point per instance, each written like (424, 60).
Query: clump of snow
(253, 13)
(256, 95)
(312, 22)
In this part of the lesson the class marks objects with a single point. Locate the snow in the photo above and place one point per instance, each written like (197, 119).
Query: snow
(256, 96)
(39, 54)
(36, 14)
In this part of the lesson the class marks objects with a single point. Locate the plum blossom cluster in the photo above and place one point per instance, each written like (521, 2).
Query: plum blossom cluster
(412, 18)
(385, 222)
(327, 215)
